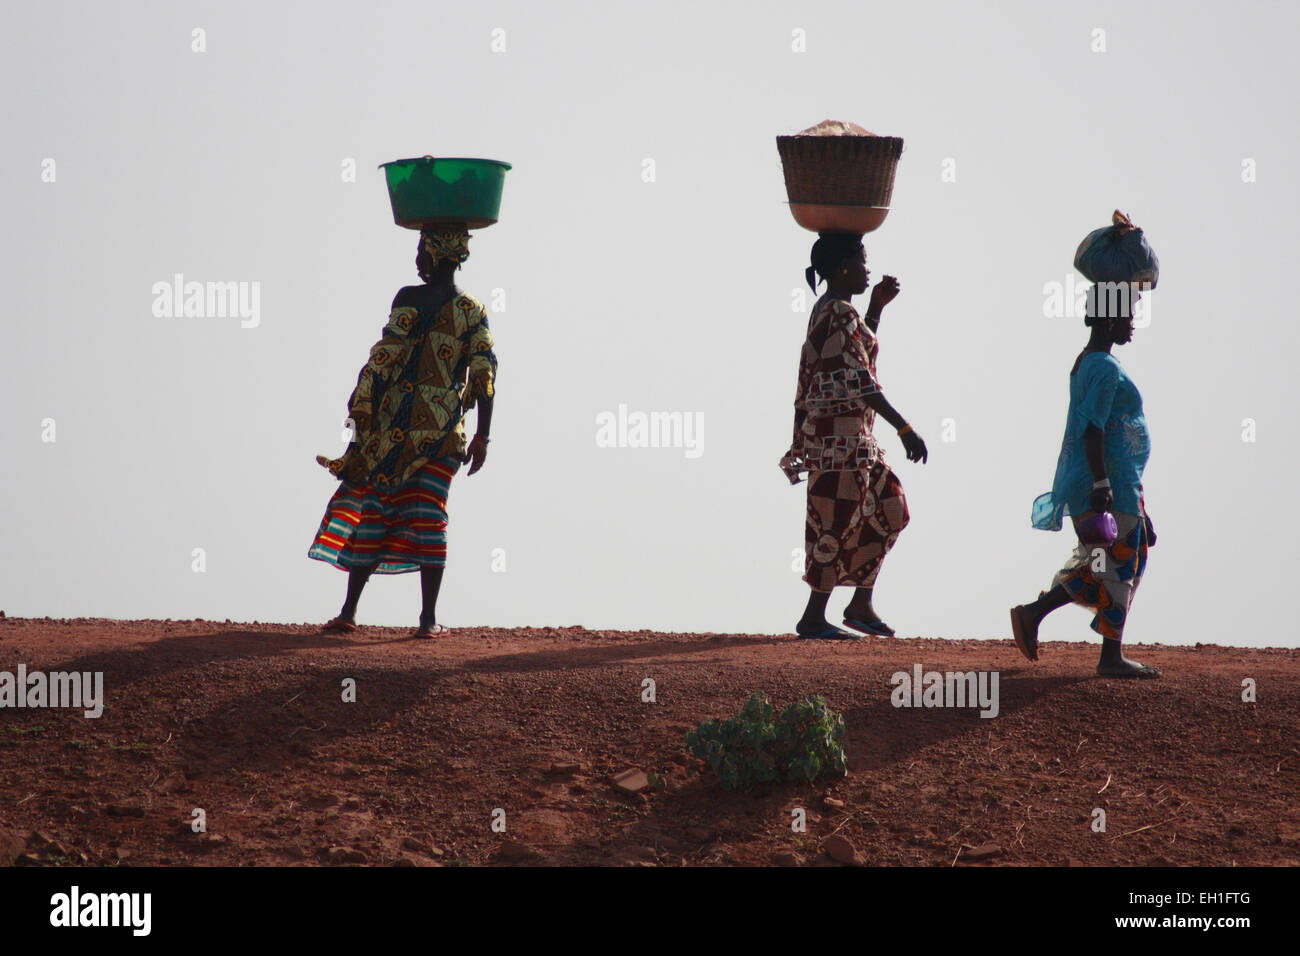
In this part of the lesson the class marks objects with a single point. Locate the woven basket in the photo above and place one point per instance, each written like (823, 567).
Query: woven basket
(840, 170)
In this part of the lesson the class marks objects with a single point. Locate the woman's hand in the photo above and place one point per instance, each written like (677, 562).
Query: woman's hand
(914, 445)
(477, 453)
(885, 292)
(1100, 500)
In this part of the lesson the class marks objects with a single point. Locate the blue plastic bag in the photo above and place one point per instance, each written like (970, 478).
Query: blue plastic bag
(1118, 253)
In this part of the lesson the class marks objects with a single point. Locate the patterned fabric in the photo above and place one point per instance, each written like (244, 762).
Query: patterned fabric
(443, 244)
(1106, 579)
(854, 518)
(409, 403)
(1101, 394)
(837, 372)
(394, 533)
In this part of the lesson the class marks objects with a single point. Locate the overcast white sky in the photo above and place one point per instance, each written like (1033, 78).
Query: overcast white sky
(677, 294)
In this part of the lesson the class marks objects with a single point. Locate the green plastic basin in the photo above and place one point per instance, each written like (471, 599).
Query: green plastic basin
(442, 191)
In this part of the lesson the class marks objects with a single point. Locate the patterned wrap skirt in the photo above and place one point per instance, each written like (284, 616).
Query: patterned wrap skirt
(1106, 579)
(393, 533)
(854, 518)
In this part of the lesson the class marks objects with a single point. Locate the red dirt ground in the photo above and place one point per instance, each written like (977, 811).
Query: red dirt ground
(247, 722)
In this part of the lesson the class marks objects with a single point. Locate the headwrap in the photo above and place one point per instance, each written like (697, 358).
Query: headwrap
(830, 249)
(444, 242)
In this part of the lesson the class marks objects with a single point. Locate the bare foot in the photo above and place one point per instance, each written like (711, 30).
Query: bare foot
(1126, 668)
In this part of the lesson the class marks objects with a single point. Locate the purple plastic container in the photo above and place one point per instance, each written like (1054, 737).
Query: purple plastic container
(1098, 529)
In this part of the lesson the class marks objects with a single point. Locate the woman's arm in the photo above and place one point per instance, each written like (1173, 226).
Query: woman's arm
(476, 453)
(912, 442)
(1094, 449)
(484, 416)
(481, 387)
(1101, 499)
(885, 292)
(850, 361)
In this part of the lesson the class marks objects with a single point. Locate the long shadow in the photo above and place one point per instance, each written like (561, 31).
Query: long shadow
(273, 724)
(122, 666)
(878, 737)
(128, 664)
(264, 730)
(573, 658)
(908, 730)
(266, 726)
(883, 735)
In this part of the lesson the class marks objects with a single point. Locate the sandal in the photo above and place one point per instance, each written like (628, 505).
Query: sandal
(435, 630)
(339, 625)
(1025, 639)
(877, 627)
(831, 633)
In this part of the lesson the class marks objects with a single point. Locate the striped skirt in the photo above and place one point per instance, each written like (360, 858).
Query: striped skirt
(393, 533)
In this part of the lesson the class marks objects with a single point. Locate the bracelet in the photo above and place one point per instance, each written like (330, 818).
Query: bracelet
(904, 430)
(483, 438)
(1104, 483)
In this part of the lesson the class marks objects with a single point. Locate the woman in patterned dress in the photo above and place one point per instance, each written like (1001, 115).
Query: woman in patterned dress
(432, 365)
(856, 507)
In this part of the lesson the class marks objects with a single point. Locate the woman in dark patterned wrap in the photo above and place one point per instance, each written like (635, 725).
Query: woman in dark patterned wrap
(856, 507)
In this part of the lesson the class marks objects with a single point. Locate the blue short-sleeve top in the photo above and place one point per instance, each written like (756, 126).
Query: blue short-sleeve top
(1101, 394)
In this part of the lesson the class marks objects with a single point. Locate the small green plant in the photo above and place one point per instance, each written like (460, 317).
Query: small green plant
(808, 740)
(142, 750)
(24, 731)
(752, 747)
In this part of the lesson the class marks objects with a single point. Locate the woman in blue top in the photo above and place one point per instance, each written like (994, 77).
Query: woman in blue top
(1104, 452)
